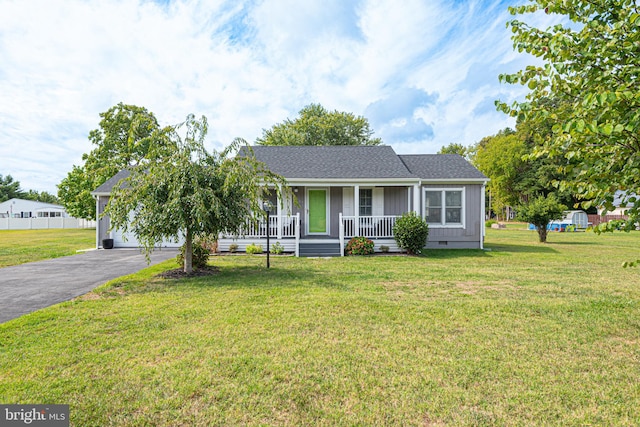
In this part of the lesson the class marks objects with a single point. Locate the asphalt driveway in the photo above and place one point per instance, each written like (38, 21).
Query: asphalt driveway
(29, 287)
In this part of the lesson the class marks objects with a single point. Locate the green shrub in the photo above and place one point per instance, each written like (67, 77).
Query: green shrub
(489, 223)
(277, 248)
(411, 232)
(540, 212)
(359, 246)
(200, 257)
(254, 249)
(384, 249)
(233, 247)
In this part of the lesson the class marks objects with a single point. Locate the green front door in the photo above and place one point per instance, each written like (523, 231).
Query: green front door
(318, 211)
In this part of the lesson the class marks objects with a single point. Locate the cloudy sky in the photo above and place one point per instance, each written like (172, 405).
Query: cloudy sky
(424, 72)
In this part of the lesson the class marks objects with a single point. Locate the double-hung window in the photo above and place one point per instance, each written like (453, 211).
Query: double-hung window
(444, 207)
(366, 202)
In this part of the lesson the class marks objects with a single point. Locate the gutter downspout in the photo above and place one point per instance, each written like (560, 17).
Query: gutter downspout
(482, 215)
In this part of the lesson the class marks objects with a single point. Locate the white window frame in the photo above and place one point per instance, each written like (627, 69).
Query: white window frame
(360, 200)
(443, 215)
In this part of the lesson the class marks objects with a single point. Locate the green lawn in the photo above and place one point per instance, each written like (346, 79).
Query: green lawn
(523, 334)
(20, 246)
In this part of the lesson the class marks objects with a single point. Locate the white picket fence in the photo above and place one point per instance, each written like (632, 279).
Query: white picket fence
(44, 223)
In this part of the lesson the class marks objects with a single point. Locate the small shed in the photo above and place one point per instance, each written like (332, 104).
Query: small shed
(577, 219)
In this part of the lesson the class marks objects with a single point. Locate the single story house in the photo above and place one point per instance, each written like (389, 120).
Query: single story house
(347, 191)
(21, 208)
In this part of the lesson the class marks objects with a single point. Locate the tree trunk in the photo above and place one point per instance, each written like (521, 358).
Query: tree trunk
(188, 253)
(542, 233)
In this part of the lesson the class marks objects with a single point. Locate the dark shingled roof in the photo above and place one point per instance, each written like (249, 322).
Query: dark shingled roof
(111, 182)
(342, 162)
(440, 166)
(349, 162)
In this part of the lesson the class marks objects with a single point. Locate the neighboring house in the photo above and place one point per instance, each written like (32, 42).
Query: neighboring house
(347, 191)
(20, 214)
(619, 211)
(20, 208)
(617, 203)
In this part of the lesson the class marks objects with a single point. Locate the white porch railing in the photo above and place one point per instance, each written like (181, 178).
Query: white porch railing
(373, 227)
(279, 227)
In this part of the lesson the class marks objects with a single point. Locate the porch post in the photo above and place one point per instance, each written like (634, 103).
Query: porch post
(408, 199)
(356, 209)
(279, 216)
(341, 235)
(298, 234)
(416, 199)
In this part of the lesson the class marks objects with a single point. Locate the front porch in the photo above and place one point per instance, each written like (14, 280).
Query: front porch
(286, 230)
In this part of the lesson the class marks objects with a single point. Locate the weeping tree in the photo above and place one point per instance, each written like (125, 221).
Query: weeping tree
(188, 191)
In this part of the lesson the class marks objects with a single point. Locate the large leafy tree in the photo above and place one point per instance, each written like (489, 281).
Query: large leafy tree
(188, 191)
(590, 68)
(318, 126)
(500, 158)
(9, 188)
(123, 139)
(516, 176)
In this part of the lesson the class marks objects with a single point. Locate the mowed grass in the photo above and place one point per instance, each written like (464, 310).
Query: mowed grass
(21, 246)
(523, 334)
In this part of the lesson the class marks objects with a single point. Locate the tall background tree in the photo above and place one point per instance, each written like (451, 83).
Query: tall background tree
(516, 174)
(454, 148)
(590, 70)
(123, 139)
(9, 188)
(500, 158)
(188, 191)
(318, 126)
(41, 196)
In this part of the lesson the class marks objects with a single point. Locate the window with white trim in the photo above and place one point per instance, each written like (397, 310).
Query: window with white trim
(366, 202)
(444, 207)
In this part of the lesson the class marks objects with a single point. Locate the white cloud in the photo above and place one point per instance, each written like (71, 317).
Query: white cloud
(426, 71)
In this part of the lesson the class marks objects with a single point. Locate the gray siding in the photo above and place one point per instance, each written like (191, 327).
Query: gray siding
(458, 238)
(395, 200)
